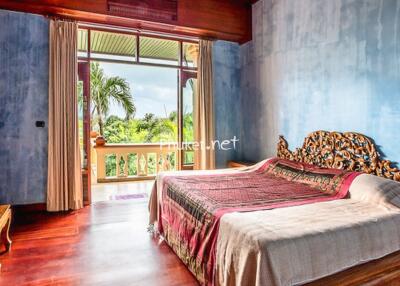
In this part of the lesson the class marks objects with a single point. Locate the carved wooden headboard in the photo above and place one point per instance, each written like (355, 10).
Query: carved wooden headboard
(348, 151)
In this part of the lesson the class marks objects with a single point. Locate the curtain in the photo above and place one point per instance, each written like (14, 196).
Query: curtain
(64, 181)
(203, 110)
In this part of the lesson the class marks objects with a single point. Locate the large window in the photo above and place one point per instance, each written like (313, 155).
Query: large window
(140, 89)
(154, 92)
(136, 48)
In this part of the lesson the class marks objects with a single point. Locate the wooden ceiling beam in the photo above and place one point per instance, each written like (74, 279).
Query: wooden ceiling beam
(220, 19)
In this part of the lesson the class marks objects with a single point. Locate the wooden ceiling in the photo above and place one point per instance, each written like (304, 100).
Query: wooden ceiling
(220, 19)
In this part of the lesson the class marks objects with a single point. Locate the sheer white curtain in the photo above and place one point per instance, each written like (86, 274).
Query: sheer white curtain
(64, 181)
(203, 109)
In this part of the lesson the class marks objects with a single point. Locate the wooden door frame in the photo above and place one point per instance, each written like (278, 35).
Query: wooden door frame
(185, 75)
(84, 76)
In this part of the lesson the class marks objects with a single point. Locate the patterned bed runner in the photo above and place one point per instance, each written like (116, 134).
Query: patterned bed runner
(191, 206)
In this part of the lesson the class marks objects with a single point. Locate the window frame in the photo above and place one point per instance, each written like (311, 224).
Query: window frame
(138, 34)
(181, 69)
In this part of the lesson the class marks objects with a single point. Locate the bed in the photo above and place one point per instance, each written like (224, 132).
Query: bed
(323, 209)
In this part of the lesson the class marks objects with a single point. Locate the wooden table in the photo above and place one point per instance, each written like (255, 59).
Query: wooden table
(5, 222)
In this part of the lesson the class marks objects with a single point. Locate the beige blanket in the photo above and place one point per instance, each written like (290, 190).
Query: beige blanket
(295, 245)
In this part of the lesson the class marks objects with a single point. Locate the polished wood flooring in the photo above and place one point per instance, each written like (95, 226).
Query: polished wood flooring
(108, 244)
(104, 244)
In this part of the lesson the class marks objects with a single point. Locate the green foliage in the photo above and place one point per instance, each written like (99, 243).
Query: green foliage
(188, 135)
(111, 161)
(150, 129)
(188, 157)
(132, 165)
(104, 90)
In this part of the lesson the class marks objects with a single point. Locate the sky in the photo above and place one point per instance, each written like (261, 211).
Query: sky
(154, 89)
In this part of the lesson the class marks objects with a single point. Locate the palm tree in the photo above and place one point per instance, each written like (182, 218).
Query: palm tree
(104, 90)
(157, 128)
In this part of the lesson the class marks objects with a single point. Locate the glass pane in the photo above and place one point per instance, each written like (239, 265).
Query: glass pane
(150, 94)
(82, 42)
(113, 46)
(188, 157)
(158, 51)
(80, 117)
(189, 92)
(190, 54)
(172, 160)
(187, 106)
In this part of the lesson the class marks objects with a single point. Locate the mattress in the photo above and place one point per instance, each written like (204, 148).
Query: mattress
(298, 244)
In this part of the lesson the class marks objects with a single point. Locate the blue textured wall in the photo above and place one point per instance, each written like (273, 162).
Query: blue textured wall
(226, 70)
(321, 64)
(23, 100)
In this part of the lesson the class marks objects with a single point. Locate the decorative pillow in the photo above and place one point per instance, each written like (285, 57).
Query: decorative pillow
(376, 190)
(325, 179)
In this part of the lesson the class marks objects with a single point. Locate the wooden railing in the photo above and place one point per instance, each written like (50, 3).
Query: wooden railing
(126, 162)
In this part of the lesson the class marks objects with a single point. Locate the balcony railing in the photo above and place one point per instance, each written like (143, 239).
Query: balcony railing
(127, 162)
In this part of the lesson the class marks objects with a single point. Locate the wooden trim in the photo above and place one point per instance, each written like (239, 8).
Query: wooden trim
(377, 272)
(136, 145)
(37, 207)
(185, 75)
(136, 63)
(195, 18)
(188, 167)
(125, 179)
(179, 118)
(136, 60)
(127, 31)
(5, 223)
(84, 76)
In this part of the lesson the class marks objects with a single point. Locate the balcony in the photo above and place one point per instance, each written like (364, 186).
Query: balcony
(132, 162)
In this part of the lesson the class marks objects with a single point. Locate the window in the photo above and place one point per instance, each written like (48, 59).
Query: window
(159, 73)
(112, 46)
(82, 43)
(158, 51)
(190, 53)
(154, 91)
(136, 48)
(188, 94)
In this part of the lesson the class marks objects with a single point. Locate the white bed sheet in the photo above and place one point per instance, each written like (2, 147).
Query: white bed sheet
(295, 245)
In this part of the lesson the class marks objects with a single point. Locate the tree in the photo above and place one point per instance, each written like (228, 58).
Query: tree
(104, 90)
(149, 123)
(158, 129)
(115, 130)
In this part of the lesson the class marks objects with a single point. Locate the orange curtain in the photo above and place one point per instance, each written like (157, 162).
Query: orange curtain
(203, 110)
(64, 181)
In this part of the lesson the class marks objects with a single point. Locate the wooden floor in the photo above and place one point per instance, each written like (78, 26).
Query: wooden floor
(108, 244)
(105, 244)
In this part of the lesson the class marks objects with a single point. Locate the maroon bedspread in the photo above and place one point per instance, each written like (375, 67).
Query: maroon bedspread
(191, 206)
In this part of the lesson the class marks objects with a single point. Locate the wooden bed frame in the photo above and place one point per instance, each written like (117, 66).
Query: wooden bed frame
(356, 152)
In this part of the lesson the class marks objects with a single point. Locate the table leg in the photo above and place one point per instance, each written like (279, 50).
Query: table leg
(5, 235)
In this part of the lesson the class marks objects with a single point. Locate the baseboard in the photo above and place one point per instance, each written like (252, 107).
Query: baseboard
(38, 207)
